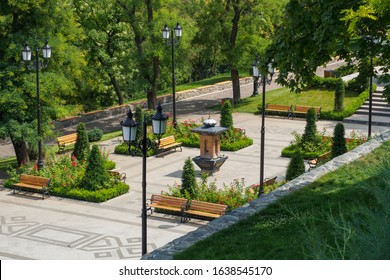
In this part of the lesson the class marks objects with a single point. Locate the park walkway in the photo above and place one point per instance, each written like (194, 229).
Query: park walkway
(61, 229)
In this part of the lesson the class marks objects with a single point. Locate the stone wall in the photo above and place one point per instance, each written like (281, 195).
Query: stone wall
(166, 252)
(122, 109)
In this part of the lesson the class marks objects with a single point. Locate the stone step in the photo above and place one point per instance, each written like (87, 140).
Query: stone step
(374, 113)
(363, 119)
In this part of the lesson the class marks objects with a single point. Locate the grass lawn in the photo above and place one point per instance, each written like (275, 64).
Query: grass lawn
(343, 215)
(283, 96)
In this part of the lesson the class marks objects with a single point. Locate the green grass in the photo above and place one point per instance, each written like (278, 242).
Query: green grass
(283, 96)
(343, 215)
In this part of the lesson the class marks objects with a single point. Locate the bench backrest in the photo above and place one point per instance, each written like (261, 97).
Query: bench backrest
(269, 181)
(67, 138)
(168, 200)
(300, 108)
(278, 107)
(324, 156)
(208, 207)
(167, 140)
(34, 180)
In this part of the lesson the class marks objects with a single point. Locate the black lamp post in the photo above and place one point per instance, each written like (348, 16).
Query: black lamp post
(171, 41)
(264, 80)
(26, 55)
(159, 124)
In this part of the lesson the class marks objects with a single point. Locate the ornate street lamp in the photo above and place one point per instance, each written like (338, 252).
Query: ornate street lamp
(159, 125)
(264, 80)
(129, 130)
(171, 41)
(36, 65)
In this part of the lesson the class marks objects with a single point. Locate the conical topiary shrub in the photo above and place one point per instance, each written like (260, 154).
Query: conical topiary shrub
(296, 166)
(96, 176)
(139, 118)
(309, 136)
(226, 115)
(81, 147)
(339, 146)
(339, 96)
(188, 179)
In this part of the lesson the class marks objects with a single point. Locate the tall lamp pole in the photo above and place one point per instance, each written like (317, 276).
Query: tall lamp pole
(264, 80)
(171, 41)
(26, 55)
(159, 125)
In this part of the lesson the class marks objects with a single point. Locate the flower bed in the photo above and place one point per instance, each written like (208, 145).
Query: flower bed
(66, 174)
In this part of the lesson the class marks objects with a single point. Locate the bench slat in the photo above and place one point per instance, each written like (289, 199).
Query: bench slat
(167, 143)
(206, 209)
(31, 182)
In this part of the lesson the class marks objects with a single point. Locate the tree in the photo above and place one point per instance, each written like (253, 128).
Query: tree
(33, 22)
(139, 118)
(96, 176)
(188, 179)
(309, 136)
(296, 166)
(81, 147)
(339, 144)
(339, 96)
(312, 32)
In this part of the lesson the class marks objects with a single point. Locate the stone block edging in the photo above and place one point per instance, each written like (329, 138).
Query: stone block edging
(167, 251)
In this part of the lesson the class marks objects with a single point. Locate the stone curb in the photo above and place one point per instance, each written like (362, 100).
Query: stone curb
(167, 251)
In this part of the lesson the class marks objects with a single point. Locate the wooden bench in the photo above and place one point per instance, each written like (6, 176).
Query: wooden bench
(166, 144)
(31, 182)
(269, 181)
(279, 109)
(66, 140)
(299, 109)
(117, 175)
(203, 209)
(321, 158)
(172, 204)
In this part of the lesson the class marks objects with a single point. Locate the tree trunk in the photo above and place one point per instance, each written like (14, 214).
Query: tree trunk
(236, 85)
(117, 89)
(152, 94)
(21, 151)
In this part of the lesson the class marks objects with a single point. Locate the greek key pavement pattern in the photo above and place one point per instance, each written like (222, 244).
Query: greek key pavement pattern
(100, 246)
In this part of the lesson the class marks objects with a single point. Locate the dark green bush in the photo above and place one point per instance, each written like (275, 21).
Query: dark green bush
(95, 134)
(81, 147)
(139, 118)
(226, 115)
(100, 195)
(296, 166)
(96, 176)
(339, 96)
(123, 149)
(188, 179)
(339, 146)
(310, 133)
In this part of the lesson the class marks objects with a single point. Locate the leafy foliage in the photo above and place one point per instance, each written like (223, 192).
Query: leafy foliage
(95, 134)
(339, 96)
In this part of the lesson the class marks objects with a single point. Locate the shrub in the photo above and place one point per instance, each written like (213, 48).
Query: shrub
(81, 148)
(309, 135)
(188, 179)
(339, 144)
(226, 115)
(96, 176)
(95, 134)
(296, 166)
(339, 96)
(139, 118)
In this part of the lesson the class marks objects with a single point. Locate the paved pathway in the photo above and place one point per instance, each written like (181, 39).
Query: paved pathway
(57, 228)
